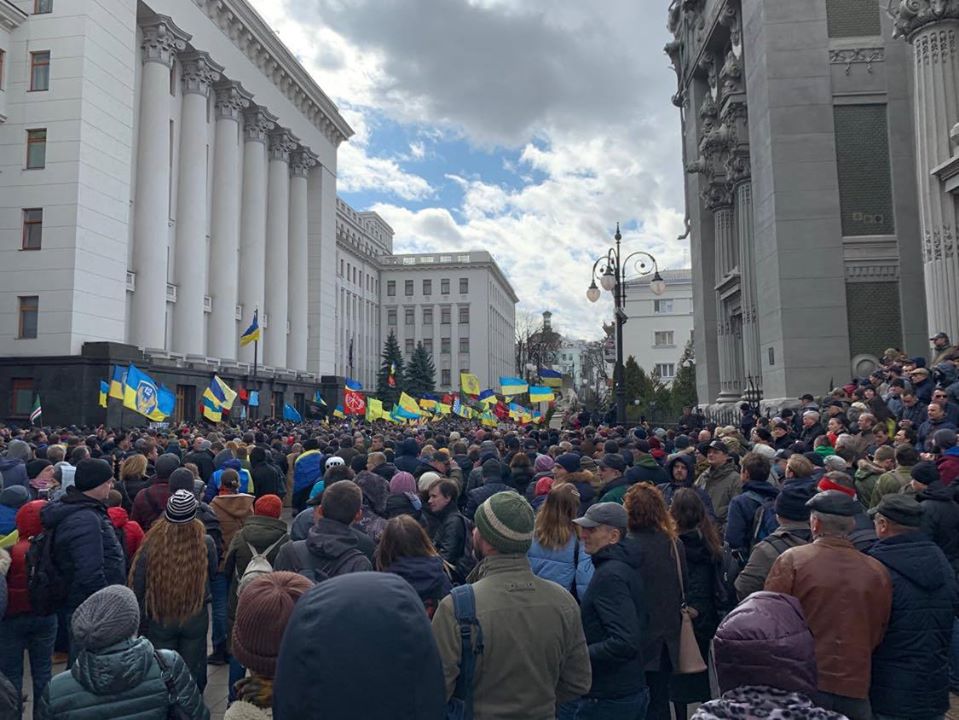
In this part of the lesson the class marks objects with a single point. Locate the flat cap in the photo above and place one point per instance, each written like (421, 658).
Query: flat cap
(833, 502)
(900, 509)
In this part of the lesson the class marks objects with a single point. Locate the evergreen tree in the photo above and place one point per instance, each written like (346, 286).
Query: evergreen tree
(420, 373)
(392, 357)
(683, 389)
(639, 386)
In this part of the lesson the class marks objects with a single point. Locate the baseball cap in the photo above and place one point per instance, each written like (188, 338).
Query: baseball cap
(604, 513)
(719, 445)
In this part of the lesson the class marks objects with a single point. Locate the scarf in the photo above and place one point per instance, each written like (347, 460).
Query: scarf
(827, 484)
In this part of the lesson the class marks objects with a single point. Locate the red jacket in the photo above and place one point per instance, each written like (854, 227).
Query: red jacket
(28, 525)
(150, 503)
(132, 532)
(948, 464)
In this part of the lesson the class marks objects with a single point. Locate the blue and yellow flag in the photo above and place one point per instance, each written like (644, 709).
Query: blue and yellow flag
(291, 413)
(408, 403)
(512, 385)
(147, 397)
(338, 412)
(551, 378)
(104, 392)
(540, 393)
(487, 397)
(117, 382)
(401, 413)
(469, 383)
(252, 333)
(354, 384)
(318, 399)
(428, 405)
(216, 398)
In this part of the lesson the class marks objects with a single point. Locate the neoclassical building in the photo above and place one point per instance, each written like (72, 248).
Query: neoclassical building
(801, 188)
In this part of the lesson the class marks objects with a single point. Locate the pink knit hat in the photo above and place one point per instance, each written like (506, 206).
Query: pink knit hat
(401, 483)
(544, 463)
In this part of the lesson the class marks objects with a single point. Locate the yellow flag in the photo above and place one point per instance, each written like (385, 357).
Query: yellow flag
(409, 404)
(469, 383)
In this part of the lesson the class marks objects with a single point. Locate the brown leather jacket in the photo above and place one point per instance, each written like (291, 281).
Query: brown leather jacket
(846, 597)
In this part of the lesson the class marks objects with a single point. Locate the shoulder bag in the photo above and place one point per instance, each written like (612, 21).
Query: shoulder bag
(690, 659)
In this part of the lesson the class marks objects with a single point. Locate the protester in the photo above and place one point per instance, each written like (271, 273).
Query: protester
(449, 535)
(721, 481)
(149, 503)
(556, 553)
(405, 550)
(403, 499)
(133, 479)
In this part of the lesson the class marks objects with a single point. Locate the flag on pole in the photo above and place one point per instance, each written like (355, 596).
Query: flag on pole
(513, 385)
(551, 378)
(252, 333)
(117, 382)
(409, 404)
(338, 412)
(104, 392)
(318, 399)
(374, 409)
(353, 402)
(469, 383)
(487, 396)
(216, 398)
(37, 411)
(391, 378)
(291, 413)
(353, 384)
(540, 393)
(144, 395)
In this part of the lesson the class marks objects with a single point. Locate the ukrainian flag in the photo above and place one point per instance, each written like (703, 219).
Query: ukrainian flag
(401, 413)
(117, 382)
(216, 398)
(318, 399)
(428, 405)
(145, 396)
(540, 393)
(487, 396)
(338, 412)
(252, 333)
(104, 392)
(354, 384)
(551, 378)
(408, 403)
(513, 385)
(443, 409)
(469, 383)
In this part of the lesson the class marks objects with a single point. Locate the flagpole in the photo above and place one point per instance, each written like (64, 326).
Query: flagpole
(256, 348)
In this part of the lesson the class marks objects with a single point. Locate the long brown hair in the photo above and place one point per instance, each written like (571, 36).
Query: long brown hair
(554, 521)
(403, 537)
(689, 512)
(647, 510)
(176, 558)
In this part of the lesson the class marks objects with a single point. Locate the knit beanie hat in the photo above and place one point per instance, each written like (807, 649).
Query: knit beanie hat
(505, 521)
(91, 474)
(402, 482)
(268, 505)
(427, 479)
(944, 439)
(165, 465)
(544, 463)
(35, 467)
(181, 507)
(14, 496)
(925, 472)
(262, 612)
(19, 450)
(791, 501)
(106, 617)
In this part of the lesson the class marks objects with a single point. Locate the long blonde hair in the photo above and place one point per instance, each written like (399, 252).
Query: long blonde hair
(133, 466)
(177, 562)
(554, 522)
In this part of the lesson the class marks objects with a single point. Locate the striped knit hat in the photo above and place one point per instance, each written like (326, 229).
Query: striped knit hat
(181, 507)
(505, 521)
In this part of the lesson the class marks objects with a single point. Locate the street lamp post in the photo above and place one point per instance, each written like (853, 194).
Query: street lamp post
(612, 269)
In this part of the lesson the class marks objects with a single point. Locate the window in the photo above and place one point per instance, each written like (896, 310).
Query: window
(445, 286)
(21, 396)
(42, 7)
(464, 286)
(409, 346)
(28, 316)
(40, 71)
(445, 316)
(852, 18)
(445, 378)
(665, 370)
(409, 315)
(427, 287)
(663, 338)
(341, 267)
(464, 345)
(391, 288)
(32, 229)
(408, 288)
(391, 316)
(445, 346)
(464, 315)
(865, 176)
(36, 149)
(3, 57)
(428, 345)
(428, 316)
(662, 307)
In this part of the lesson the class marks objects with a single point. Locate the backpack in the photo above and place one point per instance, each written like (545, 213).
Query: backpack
(258, 565)
(467, 561)
(764, 519)
(460, 706)
(321, 570)
(47, 586)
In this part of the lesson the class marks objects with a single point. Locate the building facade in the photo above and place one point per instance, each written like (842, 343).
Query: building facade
(659, 326)
(797, 122)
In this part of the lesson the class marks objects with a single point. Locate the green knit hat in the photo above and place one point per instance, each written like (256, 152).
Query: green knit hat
(505, 521)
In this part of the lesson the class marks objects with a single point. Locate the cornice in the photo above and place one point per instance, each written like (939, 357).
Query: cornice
(11, 17)
(912, 16)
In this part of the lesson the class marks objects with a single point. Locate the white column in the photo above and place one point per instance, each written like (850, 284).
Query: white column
(723, 232)
(257, 124)
(199, 73)
(301, 162)
(278, 247)
(748, 290)
(231, 98)
(151, 210)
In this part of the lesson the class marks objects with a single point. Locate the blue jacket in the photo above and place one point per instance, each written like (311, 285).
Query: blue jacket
(213, 487)
(13, 472)
(910, 668)
(85, 545)
(742, 512)
(566, 566)
(307, 469)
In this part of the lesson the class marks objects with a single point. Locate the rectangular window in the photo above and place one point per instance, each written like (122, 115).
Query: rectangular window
(852, 18)
(428, 345)
(445, 378)
(391, 316)
(464, 286)
(40, 71)
(391, 288)
(662, 307)
(32, 229)
(36, 149)
(865, 178)
(408, 288)
(3, 58)
(410, 316)
(42, 7)
(21, 396)
(445, 346)
(445, 316)
(464, 315)
(464, 345)
(427, 287)
(663, 338)
(445, 286)
(28, 316)
(665, 371)
(428, 316)
(409, 346)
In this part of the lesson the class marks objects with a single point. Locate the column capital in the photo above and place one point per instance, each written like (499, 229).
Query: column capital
(911, 16)
(257, 123)
(162, 39)
(282, 143)
(199, 72)
(231, 99)
(302, 160)
(718, 195)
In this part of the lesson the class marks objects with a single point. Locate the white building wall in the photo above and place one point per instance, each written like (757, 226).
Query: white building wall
(639, 332)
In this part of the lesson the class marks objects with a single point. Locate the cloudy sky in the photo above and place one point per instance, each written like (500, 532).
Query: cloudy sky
(524, 127)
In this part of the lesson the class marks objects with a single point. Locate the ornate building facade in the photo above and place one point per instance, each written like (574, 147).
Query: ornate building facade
(801, 192)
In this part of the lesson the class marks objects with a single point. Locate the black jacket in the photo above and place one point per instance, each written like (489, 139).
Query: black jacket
(449, 537)
(203, 459)
(615, 620)
(386, 470)
(407, 456)
(267, 480)
(808, 435)
(300, 530)
(477, 497)
(663, 596)
(85, 545)
(940, 519)
(426, 575)
(327, 543)
(910, 668)
(397, 505)
(703, 569)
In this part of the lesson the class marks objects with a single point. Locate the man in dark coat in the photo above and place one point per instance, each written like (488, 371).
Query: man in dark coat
(407, 453)
(202, 457)
(150, 502)
(267, 479)
(492, 484)
(614, 616)
(645, 468)
(681, 472)
(741, 524)
(449, 537)
(910, 668)
(940, 513)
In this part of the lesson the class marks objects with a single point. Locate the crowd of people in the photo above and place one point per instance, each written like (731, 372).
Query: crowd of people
(801, 564)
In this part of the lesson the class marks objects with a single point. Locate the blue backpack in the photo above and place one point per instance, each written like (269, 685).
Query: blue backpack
(460, 706)
(764, 519)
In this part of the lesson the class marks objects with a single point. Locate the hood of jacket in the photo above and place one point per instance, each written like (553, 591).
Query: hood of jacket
(118, 516)
(628, 550)
(425, 574)
(908, 554)
(407, 448)
(952, 452)
(73, 501)
(380, 613)
(329, 539)
(375, 491)
(386, 470)
(865, 468)
(687, 460)
(237, 505)
(697, 551)
(13, 471)
(221, 457)
(646, 461)
(938, 492)
(114, 669)
(28, 519)
(763, 489)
